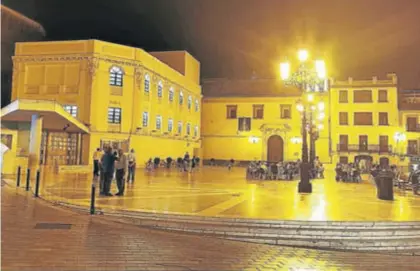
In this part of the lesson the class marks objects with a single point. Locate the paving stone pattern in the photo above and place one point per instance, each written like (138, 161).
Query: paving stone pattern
(94, 243)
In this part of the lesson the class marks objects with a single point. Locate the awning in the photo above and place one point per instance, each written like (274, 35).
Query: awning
(53, 113)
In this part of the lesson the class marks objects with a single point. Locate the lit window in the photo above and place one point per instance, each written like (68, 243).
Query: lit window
(189, 103)
(179, 127)
(116, 76)
(171, 94)
(147, 83)
(158, 122)
(188, 129)
(71, 109)
(114, 115)
(181, 98)
(170, 125)
(145, 119)
(160, 89)
(196, 131)
(197, 106)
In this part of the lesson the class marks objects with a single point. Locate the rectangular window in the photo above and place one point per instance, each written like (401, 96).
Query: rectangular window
(71, 109)
(344, 118)
(188, 129)
(258, 111)
(383, 143)
(362, 96)
(383, 96)
(383, 118)
(412, 147)
(179, 127)
(170, 125)
(158, 122)
(197, 106)
(114, 115)
(412, 125)
(145, 120)
(344, 143)
(363, 118)
(285, 111)
(231, 111)
(196, 131)
(244, 124)
(363, 143)
(171, 95)
(343, 96)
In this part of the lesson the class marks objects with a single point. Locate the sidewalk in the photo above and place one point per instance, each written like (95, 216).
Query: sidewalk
(83, 242)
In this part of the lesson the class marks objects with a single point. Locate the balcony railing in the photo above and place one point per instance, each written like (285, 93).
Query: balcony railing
(364, 148)
(413, 128)
(412, 151)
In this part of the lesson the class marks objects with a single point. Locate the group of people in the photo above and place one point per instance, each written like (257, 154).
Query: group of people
(348, 173)
(109, 165)
(273, 171)
(186, 164)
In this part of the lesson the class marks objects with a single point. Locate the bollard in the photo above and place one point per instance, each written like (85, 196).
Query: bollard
(28, 177)
(92, 200)
(18, 177)
(37, 183)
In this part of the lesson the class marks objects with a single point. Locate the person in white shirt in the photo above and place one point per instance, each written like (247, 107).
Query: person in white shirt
(131, 165)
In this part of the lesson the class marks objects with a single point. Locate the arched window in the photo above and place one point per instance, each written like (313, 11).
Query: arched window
(171, 94)
(189, 103)
(116, 76)
(160, 89)
(147, 83)
(197, 106)
(181, 98)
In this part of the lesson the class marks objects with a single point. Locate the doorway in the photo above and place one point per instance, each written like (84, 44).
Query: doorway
(275, 149)
(363, 142)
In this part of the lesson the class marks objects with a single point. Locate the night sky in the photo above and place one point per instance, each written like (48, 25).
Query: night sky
(234, 38)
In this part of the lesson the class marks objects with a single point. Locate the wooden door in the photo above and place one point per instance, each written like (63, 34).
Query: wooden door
(275, 149)
(344, 143)
(383, 143)
(411, 124)
(363, 143)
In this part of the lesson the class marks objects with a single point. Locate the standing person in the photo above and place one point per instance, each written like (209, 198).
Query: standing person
(97, 155)
(108, 166)
(186, 161)
(193, 163)
(121, 167)
(131, 166)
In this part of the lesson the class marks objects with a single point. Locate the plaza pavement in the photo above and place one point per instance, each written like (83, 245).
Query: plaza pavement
(219, 192)
(38, 236)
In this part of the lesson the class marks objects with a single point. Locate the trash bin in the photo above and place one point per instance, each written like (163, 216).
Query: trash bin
(384, 185)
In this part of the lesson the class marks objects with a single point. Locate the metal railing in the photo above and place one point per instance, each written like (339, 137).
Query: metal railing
(364, 148)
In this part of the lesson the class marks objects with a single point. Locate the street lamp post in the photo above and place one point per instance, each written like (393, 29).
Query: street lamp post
(309, 80)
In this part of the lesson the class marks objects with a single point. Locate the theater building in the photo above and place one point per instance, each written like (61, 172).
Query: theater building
(71, 97)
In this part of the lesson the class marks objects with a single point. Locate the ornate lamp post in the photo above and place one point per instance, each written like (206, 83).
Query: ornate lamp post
(310, 79)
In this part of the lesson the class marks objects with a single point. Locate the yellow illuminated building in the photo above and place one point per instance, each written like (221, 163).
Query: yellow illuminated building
(101, 93)
(363, 120)
(71, 97)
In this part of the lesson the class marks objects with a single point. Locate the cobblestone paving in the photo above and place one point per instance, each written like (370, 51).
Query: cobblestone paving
(93, 243)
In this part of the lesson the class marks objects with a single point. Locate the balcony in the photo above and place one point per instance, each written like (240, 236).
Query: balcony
(412, 151)
(413, 128)
(364, 148)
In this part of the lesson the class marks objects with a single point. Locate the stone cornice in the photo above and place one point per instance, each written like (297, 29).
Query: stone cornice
(93, 64)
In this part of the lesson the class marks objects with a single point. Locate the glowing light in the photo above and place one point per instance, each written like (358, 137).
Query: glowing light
(321, 116)
(321, 106)
(300, 107)
(400, 137)
(320, 69)
(253, 139)
(296, 140)
(284, 70)
(310, 97)
(303, 55)
(320, 126)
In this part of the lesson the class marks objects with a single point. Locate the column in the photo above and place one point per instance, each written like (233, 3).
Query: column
(35, 143)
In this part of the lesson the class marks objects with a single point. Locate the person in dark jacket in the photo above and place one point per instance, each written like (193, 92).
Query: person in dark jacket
(108, 167)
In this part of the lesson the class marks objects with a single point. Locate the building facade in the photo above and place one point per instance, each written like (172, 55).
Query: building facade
(364, 120)
(127, 98)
